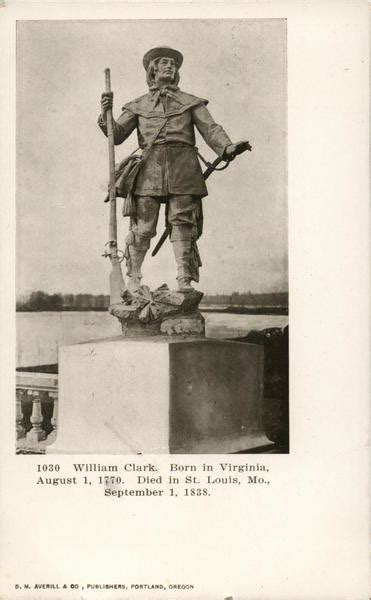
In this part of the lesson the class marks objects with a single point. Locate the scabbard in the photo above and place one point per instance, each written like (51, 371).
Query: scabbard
(167, 231)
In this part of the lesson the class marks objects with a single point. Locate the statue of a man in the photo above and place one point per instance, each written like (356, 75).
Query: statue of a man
(171, 172)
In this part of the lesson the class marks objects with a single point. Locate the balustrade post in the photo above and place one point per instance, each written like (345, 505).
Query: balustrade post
(53, 434)
(37, 434)
(21, 432)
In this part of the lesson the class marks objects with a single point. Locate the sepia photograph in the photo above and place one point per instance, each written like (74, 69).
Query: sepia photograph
(152, 236)
(184, 357)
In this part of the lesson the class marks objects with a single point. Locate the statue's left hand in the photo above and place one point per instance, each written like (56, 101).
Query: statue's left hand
(233, 150)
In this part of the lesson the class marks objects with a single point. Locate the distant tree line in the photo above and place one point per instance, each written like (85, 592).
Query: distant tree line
(39, 300)
(248, 299)
(55, 302)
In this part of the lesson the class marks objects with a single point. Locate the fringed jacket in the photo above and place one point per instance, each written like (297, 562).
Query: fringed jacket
(172, 166)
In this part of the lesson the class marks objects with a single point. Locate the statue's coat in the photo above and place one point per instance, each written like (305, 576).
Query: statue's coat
(172, 166)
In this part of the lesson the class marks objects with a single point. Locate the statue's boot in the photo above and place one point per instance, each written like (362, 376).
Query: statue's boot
(134, 264)
(183, 253)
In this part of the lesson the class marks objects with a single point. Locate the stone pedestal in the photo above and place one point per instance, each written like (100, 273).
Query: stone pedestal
(159, 395)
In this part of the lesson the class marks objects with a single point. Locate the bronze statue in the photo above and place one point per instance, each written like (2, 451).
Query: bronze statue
(165, 118)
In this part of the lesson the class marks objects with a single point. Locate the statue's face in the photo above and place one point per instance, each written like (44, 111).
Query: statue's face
(166, 69)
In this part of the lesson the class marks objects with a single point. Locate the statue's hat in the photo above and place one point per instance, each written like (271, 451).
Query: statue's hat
(162, 51)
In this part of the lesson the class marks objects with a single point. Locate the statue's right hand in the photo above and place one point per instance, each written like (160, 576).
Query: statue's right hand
(106, 101)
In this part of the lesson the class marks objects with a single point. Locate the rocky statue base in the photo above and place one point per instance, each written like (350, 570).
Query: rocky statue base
(161, 312)
(160, 394)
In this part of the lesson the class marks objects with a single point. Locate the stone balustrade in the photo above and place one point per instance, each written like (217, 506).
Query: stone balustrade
(36, 410)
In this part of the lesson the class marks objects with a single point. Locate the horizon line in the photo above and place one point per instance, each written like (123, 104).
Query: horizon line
(28, 293)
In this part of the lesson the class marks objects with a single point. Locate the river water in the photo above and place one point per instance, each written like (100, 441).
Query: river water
(39, 334)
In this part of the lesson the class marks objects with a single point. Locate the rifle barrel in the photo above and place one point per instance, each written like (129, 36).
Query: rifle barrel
(112, 180)
(117, 283)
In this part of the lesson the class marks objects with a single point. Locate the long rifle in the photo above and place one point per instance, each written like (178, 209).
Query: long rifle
(116, 280)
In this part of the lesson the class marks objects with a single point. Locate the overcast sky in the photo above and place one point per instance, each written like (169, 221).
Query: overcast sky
(62, 157)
